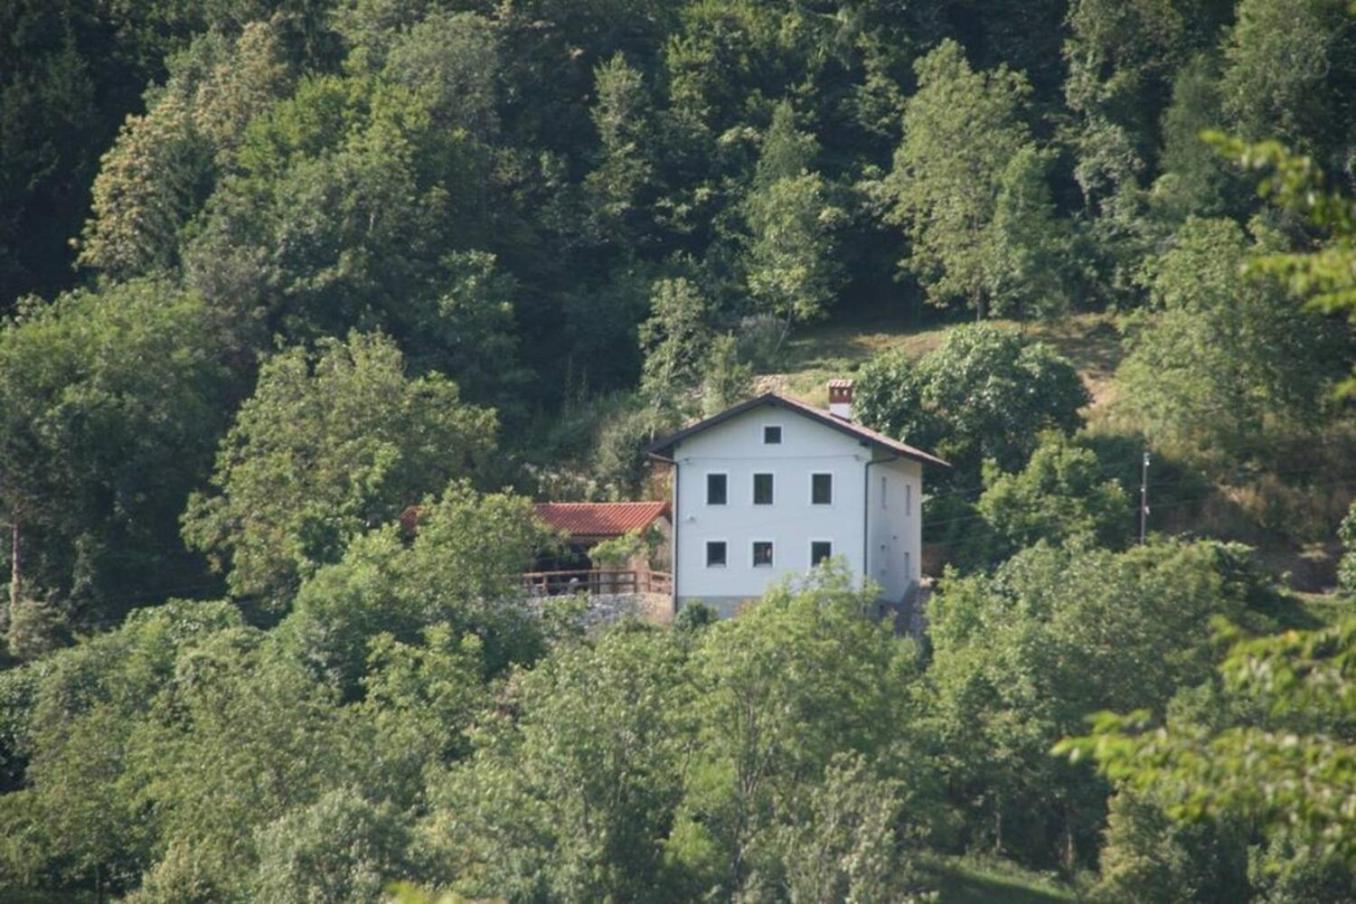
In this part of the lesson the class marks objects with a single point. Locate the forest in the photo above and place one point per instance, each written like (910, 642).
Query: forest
(274, 271)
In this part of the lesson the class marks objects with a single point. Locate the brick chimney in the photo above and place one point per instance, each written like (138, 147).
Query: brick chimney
(840, 399)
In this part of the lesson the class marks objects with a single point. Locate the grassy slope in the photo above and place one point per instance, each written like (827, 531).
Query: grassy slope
(1092, 342)
(966, 880)
(817, 354)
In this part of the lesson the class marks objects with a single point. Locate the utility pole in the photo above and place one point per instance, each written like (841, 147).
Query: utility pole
(1144, 500)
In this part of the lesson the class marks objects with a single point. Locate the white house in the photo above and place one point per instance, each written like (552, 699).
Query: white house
(773, 486)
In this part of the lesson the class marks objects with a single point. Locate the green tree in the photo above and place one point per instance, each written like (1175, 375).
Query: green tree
(1226, 355)
(460, 570)
(470, 332)
(1321, 277)
(452, 61)
(347, 209)
(621, 186)
(1346, 569)
(888, 396)
(342, 848)
(1030, 252)
(847, 849)
(1286, 63)
(792, 270)
(984, 393)
(242, 735)
(329, 445)
(1021, 657)
(1149, 857)
(110, 403)
(675, 340)
(1194, 180)
(572, 799)
(70, 724)
(71, 70)
(1122, 58)
(800, 677)
(421, 700)
(1284, 757)
(164, 163)
(1061, 497)
(963, 130)
(994, 393)
(728, 380)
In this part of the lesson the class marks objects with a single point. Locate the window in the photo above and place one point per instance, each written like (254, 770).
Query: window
(762, 489)
(762, 553)
(715, 553)
(772, 435)
(715, 489)
(908, 499)
(883, 486)
(821, 489)
(819, 551)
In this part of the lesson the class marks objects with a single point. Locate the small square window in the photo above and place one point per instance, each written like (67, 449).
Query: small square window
(716, 485)
(762, 554)
(820, 550)
(762, 489)
(772, 436)
(715, 553)
(821, 489)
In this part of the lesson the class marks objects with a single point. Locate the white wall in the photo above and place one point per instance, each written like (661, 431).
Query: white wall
(736, 448)
(896, 525)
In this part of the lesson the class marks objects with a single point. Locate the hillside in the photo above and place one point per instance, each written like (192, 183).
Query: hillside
(307, 305)
(1265, 505)
(820, 352)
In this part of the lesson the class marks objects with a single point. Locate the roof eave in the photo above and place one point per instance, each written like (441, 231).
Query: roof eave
(663, 449)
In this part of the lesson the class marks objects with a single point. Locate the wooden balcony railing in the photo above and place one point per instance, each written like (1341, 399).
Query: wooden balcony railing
(597, 582)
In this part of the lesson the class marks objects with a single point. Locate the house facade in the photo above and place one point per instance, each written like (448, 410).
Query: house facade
(773, 486)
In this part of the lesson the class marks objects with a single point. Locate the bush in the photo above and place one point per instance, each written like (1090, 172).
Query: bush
(1346, 571)
(1060, 497)
(694, 617)
(341, 848)
(984, 393)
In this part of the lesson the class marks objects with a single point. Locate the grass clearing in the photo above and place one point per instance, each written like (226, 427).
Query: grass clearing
(816, 354)
(971, 880)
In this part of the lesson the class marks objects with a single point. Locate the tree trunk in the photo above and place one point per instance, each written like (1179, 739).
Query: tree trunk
(1070, 850)
(14, 580)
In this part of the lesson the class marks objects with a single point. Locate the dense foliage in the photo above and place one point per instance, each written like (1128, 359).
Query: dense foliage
(303, 302)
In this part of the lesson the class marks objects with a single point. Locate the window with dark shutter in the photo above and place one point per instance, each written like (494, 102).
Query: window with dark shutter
(821, 489)
(762, 489)
(716, 485)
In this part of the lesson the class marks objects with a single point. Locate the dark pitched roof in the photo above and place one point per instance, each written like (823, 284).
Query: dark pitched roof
(664, 448)
(600, 519)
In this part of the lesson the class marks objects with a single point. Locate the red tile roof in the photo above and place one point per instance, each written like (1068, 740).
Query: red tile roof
(600, 519)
